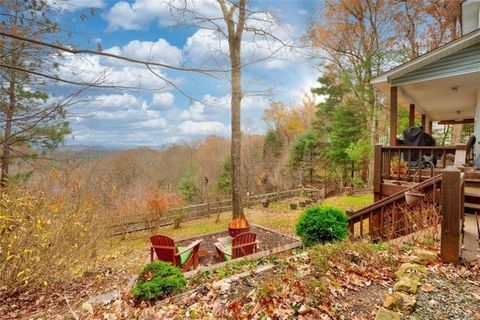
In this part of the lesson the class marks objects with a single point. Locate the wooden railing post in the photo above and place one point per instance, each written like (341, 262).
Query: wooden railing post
(393, 115)
(452, 206)
(411, 116)
(375, 220)
(377, 172)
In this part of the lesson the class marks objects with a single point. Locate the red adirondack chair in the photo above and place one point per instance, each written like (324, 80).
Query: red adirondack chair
(166, 250)
(242, 245)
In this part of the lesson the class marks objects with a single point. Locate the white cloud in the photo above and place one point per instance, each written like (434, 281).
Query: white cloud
(163, 99)
(203, 128)
(194, 112)
(140, 13)
(117, 101)
(122, 118)
(160, 51)
(91, 68)
(217, 102)
(159, 117)
(248, 102)
(212, 107)
(255, 103)
(152, 123)
(135, 16)
(76, 4)
(206, 47)
(209, 48)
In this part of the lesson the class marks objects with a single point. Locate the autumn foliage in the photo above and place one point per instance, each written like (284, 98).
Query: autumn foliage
(44, 238)
(158, 201)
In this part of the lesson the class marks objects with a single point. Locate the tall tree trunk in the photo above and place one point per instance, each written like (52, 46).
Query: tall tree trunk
(235, 32)
(237, 203)
(7, 133)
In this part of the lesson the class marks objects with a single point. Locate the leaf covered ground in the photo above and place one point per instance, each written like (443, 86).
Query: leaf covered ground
(116, 259)
(321, 283)
(343, 280)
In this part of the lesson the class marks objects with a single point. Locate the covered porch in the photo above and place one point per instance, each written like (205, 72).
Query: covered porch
(441, 87)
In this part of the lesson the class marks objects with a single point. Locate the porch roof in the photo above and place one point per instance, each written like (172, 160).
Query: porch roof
(442, 83)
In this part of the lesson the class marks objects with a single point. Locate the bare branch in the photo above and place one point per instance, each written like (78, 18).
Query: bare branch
(93, 84)
(105, 54)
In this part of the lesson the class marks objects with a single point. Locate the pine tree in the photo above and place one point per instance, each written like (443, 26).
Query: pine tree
(188, 184)
(31, 120)
(304, 154)
(272, 146)
(224, 183)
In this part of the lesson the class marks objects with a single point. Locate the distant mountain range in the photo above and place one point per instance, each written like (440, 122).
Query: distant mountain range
(96, 152)
(89, 151)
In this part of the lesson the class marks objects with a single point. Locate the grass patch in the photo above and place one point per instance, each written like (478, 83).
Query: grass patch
(130, 251)
(277, 216)
(355, 202)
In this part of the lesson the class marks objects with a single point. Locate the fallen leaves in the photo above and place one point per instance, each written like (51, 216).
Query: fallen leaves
(427, 287)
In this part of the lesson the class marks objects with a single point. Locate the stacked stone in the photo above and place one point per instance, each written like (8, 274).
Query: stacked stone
(409, 275)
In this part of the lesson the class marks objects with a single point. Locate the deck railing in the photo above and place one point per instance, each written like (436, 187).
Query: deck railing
(392, 217)
(388, 218)
(403, 163)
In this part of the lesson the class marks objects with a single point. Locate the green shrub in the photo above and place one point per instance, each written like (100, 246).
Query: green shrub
(358, 183)
(158, 280)
(322, 224)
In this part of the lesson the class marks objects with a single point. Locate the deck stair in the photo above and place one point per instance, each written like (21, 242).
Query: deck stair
(472, 195)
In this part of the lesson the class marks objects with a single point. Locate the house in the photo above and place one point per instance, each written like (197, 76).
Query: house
(444, 86)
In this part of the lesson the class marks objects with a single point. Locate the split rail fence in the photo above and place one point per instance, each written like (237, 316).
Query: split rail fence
(206, 209)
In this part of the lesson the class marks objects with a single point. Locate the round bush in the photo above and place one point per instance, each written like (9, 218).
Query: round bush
(322, 224)
(158, 280)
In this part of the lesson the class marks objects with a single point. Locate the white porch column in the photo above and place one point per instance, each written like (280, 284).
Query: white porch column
(477, 125)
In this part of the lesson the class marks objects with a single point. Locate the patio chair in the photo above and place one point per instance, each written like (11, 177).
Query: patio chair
(166, 250)
(242, 245)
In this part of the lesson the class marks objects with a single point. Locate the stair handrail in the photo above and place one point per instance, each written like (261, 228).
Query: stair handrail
(394, 197)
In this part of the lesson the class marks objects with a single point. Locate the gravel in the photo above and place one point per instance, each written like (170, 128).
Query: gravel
(450, 299)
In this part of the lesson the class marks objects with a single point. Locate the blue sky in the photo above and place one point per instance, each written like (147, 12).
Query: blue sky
(159, 114)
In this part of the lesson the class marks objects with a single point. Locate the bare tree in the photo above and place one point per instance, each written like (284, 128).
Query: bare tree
(234, 36)
(238, 26)
(234, 20)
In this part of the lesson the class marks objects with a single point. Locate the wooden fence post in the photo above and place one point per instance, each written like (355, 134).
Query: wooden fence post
(452, 206)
